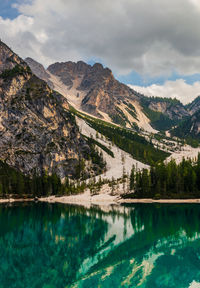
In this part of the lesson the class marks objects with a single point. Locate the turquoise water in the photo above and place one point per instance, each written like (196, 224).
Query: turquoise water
(143, 245)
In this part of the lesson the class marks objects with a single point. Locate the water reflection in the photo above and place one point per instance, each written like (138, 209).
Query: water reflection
(143, 245)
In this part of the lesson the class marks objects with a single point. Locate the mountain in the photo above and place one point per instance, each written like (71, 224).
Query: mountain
(37, 131)
(189, 128)
(194, 106)
(94, 90)
(164, 113)
(98, 93)
(39, 70)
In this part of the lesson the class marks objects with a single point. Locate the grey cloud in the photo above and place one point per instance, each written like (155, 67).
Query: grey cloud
(152, 37)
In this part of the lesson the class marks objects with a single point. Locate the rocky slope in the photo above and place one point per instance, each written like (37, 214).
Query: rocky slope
(164, 113)
(93, 89)
(190, 127)
(100, 91)
(37, 131)
(194, 106)
(172, 108)
(39, 70)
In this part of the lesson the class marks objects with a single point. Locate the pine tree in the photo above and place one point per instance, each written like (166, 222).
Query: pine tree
(132, 178)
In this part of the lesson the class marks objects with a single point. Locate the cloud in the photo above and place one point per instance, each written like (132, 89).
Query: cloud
(17, 34)
(172, 89)
(151, 37)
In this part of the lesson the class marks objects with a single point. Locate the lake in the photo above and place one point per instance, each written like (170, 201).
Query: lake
(142, 245)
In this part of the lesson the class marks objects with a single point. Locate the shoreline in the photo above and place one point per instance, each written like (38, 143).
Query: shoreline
(164, 201)
(12, 200)
(88, 200)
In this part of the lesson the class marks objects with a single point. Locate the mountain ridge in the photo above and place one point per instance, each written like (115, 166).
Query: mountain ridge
(94, 90)
(37, 131)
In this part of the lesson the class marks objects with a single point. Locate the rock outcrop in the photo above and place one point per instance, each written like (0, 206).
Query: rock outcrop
(102, 90)
(174, 110)
(194, 106)
(39, 70)
(37, 131)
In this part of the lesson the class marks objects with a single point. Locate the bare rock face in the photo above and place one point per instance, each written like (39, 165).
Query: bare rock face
(102, 90)
(69, 71)
(194, 106)
(37, 131)
(104, 94)
(190, 128)
(39, 70)
(101, 94)
(8, 59)
(172, 110)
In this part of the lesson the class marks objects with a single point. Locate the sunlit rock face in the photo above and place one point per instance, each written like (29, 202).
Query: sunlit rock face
(94, 89)
(175, 111)
(8, 59)
(37, 131)
(102, 90)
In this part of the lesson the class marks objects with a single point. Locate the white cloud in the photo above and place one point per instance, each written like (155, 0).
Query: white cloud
(152, 37)
(196, 3)
(14, 27)
(172, 89)
(17, 33)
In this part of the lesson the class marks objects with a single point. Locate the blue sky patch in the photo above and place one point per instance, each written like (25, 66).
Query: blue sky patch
(7, 10)
(136, 79)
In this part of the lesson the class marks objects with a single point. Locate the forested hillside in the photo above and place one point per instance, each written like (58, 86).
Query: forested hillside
(126, 139)
(167, 180)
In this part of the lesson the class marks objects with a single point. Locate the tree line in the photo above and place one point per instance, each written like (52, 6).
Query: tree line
(167, 180)
(13, 182)
(129, 142)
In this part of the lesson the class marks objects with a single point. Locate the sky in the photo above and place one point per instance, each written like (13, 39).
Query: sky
(153, 45)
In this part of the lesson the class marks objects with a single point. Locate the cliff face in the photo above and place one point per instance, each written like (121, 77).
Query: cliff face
(69, 71)
(37, 131)
(194, 128)
(172, 110)
(190, 127)
(194, 106)
(101, 89)
(39, 70)
(8, 59)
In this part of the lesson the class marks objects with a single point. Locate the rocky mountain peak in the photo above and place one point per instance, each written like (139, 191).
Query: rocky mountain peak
(95, 90)
(68, 71)
(99, 69)
(8, 59)
(36, 67)
(97, 66)
(39, 70)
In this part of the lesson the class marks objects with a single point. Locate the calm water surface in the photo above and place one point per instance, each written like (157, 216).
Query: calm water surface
(143, 245)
